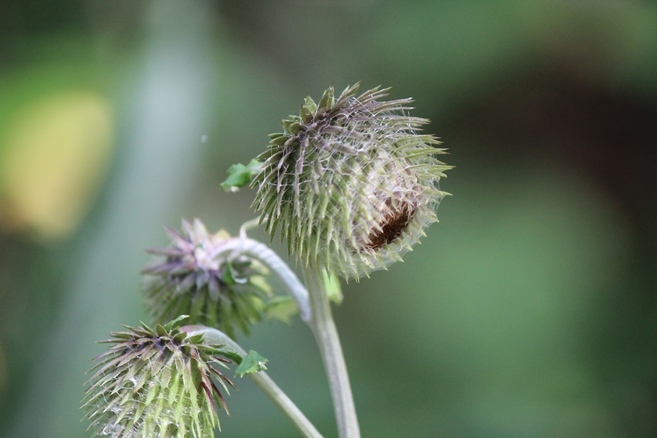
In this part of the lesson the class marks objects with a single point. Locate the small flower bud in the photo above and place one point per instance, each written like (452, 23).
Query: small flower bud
(157, 383)
(221, 292)
(350, 184)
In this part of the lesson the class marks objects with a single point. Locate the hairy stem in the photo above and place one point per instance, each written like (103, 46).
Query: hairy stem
(315, 310)
(264, 254)
(326, 336)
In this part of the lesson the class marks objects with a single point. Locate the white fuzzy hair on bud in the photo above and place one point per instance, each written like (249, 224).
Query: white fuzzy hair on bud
(350, 184)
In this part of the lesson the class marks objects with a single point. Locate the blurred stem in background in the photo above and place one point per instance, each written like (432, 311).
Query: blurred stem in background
(174, 79)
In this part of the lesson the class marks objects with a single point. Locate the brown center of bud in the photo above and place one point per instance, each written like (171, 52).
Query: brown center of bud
(391, 227)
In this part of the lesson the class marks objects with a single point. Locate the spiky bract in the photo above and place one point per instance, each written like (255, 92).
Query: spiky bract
(350, 184)
(223, 292)
(157, 383)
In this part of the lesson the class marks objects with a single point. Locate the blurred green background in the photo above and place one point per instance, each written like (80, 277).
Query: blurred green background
(530, 310)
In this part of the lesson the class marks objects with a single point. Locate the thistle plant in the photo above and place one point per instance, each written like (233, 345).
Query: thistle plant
(158, 383)
(223, 292)
(350, 185)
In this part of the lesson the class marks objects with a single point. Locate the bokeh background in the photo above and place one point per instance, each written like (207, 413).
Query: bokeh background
(530, 310)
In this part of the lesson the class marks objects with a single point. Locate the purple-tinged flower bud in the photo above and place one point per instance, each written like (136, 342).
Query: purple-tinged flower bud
(224, 292)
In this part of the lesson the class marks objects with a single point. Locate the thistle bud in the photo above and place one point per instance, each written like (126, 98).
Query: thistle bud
(157, 383)
(223, 292)
(350, 184)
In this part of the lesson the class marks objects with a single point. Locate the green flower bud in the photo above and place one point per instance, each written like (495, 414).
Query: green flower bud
(157, 383)
(223, 292)
(350, 184)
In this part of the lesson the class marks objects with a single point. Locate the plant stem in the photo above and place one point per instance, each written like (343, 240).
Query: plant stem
(280, 399)
(326, 336)
(264, 254)
(262, 380)
(315, 310)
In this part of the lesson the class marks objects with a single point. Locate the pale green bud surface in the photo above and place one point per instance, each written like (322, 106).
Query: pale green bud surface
(157, 383)
(350, 184)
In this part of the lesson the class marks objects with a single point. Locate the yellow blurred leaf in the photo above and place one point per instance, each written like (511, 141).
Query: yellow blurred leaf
(56, 155)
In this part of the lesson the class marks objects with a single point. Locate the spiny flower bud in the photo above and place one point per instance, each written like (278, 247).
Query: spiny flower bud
(223, 292)
(157, 383)
(350, 183)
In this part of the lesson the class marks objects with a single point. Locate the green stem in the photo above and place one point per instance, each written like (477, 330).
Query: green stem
(315, 310)
(262, 380)
(264, 254)
(326, 336)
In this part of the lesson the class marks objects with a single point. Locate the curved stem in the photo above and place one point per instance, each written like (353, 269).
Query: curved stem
(315, 310)
(262, 380)
(326, 336)
(264, 254)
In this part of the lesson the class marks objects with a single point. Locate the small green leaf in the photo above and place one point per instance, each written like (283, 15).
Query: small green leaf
(251, 363)
(240, 175)
(230, 277)
(227, 275)
(333, 289)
